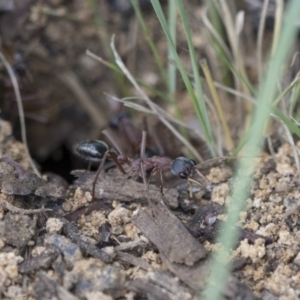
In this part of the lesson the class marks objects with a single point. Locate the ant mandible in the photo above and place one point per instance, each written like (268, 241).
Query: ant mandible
(98, 151)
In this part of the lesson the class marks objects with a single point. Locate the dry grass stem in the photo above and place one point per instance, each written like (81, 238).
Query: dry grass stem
(228, 139)
(239, 22)
(234, 92)
(126, 101)
(215, 34)
(294, 94)
(71, 80)
(17, 210)
(233, 32)
(101, 60)
(20, 110)
(219, 138)
(278, 25)
(177, 134)
(295, 150)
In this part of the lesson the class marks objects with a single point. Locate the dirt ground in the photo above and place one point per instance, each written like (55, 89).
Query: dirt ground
(122, 250)
(55, 242)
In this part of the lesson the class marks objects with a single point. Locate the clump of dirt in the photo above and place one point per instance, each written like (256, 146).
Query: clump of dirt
(273, 212)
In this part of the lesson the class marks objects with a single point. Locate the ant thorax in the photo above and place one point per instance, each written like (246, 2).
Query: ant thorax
(162, 163)
(99, 151)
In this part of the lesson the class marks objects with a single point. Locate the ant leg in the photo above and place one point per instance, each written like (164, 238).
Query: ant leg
(205, 182)
(98, 173)
(148, 183)
(125, 159)
(143, 145)
(163, 199)
(145, 182)
(190, 181)
(190, 190)
(171, 185)
(161, 182)
(89, 166)
(160, 185)
(142, 156)
(154, 136)
(114, 157)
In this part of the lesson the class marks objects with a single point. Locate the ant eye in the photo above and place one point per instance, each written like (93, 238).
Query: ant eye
(93, 150)
(183, 175)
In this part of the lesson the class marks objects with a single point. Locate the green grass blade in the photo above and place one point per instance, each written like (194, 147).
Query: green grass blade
(287, 121)
(219, 271)
(172, 12)
(201, 114)
(194, 62)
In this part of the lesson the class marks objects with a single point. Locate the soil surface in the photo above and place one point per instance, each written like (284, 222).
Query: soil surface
(119, 247)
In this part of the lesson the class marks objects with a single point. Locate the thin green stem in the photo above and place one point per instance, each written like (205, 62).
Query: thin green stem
(219, 269)
(200, 112)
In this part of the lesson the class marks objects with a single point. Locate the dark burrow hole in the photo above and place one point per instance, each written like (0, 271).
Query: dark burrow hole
(61, 162)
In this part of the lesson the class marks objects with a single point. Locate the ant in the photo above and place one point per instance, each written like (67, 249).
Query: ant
(98, 151)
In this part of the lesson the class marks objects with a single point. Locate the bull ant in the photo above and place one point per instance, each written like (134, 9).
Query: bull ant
(99, 151)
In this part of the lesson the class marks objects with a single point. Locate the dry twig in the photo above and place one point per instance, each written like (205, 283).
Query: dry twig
(17, 210)
(126, 72)
(20, 109)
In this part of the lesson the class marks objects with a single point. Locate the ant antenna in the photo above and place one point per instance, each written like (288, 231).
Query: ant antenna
(143, 172)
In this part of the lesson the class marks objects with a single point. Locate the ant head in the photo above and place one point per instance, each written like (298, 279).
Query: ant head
(92, 150)
(182, 167)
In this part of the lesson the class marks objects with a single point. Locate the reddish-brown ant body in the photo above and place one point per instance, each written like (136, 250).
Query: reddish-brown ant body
(99, 151)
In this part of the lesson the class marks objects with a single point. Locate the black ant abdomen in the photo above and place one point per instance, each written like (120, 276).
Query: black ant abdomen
(92, 150)
(182, 167)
